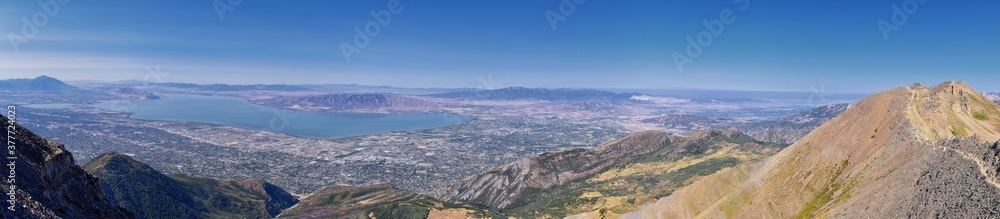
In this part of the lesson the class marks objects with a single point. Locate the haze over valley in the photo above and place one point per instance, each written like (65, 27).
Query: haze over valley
(500, 109)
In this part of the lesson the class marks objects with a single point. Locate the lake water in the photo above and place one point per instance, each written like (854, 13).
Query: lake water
(232, 111)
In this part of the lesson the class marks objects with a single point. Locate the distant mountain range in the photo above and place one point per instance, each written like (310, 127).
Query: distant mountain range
(39, 84)
(561, 94)
(995, 97)
(226, 87)
(911, 152)
(331, 88)
(348, 102)
(791, 128)
(785, 130)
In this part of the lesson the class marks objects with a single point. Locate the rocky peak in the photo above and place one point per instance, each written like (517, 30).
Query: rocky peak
(953, 109)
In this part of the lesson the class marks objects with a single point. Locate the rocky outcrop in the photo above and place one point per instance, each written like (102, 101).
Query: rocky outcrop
(47, 182)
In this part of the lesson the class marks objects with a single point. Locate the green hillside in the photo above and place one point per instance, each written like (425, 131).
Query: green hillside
(139, 188)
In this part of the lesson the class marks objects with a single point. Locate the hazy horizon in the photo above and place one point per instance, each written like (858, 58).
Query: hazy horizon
(748, 45)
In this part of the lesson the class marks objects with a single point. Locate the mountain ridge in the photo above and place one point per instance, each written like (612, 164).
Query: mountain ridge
(139, 188)
(38, 84)
(350, 101)
(888, 156)
(558, 94)
(653, 163)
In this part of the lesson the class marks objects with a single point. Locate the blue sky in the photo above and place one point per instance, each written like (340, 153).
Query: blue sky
(771, 45)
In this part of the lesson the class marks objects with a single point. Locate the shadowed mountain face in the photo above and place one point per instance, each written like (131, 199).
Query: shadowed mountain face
(48, 183)
(619, 175)
(911, 152)
(39, 84)
(139, 188)
(513, 93)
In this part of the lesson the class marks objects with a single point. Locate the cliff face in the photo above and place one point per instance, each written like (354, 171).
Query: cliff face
(48, 183)
(911, 152)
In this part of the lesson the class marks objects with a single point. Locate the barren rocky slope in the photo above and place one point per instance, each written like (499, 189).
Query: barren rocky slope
(909, 152)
